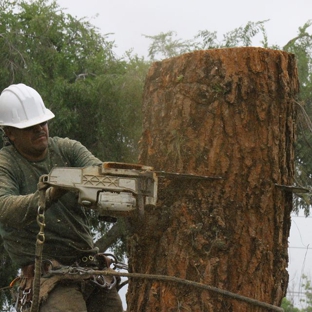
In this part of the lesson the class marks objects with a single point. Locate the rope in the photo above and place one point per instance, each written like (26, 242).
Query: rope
(39, 248)
(5, 288)
(173, 279)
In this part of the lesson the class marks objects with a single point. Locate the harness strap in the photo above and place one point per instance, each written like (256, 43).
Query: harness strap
(53, 272)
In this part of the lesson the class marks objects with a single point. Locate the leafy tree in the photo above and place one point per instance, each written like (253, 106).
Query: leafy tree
(301, 47)
(95, 96)
(241, 36)
(308, 293)
(288, 306)
(165, 45)
(75, 70)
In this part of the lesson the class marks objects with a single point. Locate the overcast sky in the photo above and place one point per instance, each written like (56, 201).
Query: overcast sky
(130, 19)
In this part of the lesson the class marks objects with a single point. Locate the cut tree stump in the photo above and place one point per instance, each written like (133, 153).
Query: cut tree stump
(226, 113)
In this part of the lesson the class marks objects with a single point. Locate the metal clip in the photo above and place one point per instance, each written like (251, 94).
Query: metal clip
(113, 283)
(25, 294)
(17, 298)
(121, 266)
(100, 281)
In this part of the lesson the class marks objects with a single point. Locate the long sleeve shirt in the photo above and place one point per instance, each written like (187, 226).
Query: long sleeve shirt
(67, 232)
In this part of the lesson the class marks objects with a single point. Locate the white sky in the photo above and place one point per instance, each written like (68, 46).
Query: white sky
(129, 19)
(300, 254)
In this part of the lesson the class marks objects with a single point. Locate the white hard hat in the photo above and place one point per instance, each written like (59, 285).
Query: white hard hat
(22, 106)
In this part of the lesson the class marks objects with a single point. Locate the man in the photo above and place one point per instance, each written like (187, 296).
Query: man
(28, 154)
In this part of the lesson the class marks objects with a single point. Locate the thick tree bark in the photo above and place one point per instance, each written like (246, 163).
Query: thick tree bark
(229, 113)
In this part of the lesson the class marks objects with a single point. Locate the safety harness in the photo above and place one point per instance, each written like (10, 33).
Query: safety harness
(37, 280)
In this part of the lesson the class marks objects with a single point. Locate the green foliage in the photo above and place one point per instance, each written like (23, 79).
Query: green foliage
(306, 301)
(243, 36)
(95, 96)
(308, 294)
(166, 45)
(288, 306)
(301, 47)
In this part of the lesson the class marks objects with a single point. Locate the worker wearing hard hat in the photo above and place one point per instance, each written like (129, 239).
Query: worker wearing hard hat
(29, 154)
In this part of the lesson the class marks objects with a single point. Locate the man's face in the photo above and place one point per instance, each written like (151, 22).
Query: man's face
(31, 142)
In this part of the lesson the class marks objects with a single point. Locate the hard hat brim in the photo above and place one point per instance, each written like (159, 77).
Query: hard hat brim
(34, 121)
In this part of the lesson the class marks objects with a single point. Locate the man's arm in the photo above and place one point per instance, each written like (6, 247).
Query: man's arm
(17, 210)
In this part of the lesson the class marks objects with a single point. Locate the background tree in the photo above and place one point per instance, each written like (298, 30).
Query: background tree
(307, 300)
(288, 306)
(95, 96)
(301, 47)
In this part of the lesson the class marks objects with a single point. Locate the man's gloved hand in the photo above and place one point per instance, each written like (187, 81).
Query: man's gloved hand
(53, 193)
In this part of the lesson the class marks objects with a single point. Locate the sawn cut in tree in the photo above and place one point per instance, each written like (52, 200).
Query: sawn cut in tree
(229, 113)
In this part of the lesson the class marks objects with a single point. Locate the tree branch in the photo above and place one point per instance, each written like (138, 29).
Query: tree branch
(111, 237)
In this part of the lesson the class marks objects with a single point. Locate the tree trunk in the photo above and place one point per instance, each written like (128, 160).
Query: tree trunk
(229, 113)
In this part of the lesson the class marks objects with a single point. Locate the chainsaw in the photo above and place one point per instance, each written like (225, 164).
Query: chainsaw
(116, 189)
(113, 188)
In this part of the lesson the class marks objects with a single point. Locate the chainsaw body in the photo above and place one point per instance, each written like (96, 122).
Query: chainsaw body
(113, 189)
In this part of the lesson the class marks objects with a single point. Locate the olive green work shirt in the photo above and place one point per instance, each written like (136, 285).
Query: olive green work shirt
(67, 232)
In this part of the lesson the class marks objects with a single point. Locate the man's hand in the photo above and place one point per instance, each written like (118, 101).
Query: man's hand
(53, 193)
